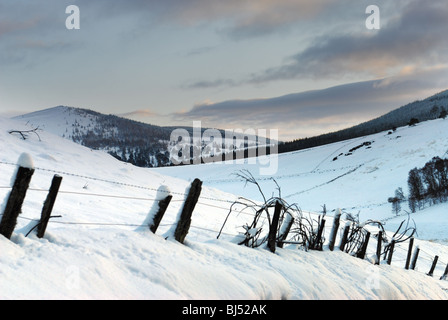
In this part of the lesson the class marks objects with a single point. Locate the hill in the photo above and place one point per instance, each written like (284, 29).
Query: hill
(138, 143)
(357, 175)
(96, 246)
(131, 141)
(430, 108)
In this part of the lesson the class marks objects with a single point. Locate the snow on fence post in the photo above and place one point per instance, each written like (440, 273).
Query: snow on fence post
(48, 206)
(155, 215)
(408, 258)
(433, 266)
(274, 227)
(334, 230)
(414, 258)
(15, 201)
(285, 228)
(157, 211)
(183, 225)
(163, 205)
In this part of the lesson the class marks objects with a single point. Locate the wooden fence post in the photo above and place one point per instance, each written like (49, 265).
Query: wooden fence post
(286, 227)
(163, 205)
(445, 273)
(334, 230)
(15, 201)
(414, 258)
(274, 226)
(379, 247)
(183, 225)
(433, 266)
(362, 252)
(320, 231)
(391, 252)
(408, 258)
(344, 236)
(48, 206)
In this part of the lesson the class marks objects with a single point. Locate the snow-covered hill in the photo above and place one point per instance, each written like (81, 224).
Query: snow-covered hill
(358, 175)
(138, 143)
(431, 108)
(98, 249)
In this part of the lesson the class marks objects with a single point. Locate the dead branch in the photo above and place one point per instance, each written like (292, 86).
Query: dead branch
(24, 133)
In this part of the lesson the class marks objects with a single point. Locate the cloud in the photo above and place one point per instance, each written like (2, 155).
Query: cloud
(318, 111)
(414, 39)
(142, 113)
(241, 18)
(417, 37)
(29, 32)
(8, 27)
(204, 84)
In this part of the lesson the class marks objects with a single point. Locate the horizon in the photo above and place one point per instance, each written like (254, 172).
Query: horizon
(303, 67)
(291, 139)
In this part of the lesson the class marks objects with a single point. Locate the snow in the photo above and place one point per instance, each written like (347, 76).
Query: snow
(25, 161)
(360, 182)
(100, 247)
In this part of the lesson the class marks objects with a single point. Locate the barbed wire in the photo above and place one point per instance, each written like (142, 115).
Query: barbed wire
(183, 194)
(283, 176)
(136, 225)
(115, 224)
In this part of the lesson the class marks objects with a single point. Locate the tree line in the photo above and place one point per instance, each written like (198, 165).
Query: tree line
(428, 185)
(421, 110)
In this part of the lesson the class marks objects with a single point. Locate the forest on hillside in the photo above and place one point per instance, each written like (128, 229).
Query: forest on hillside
(431, 108)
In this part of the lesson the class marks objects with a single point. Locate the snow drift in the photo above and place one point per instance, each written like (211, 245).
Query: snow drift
(98, 249)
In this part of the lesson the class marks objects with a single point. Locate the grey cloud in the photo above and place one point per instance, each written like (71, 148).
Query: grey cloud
(243, 18)
(346, 104)
(417, 37)
(204, 84)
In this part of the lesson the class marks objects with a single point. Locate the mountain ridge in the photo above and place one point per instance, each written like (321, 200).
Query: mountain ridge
(427, 109)
(148, 145)
(139, 143)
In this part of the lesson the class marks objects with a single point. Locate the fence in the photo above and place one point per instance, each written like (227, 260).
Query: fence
(279, 226)
(138, 202)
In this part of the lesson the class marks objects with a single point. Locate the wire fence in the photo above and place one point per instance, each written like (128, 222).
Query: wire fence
(221, 208)
(180, 197)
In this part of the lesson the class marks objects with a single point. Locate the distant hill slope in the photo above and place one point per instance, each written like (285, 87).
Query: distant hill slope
(141, 144)
(147, 145)
(428, 109)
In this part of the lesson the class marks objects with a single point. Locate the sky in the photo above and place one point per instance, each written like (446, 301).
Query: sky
(304, 67)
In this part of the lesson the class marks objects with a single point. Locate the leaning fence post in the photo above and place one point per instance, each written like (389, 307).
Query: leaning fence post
(362, 252)
(379, 247)
(414, 258)
(345, 235)
(183, 225)
(433, 266)
(320, 231)
(48, 206)
(445, 273)
(274, 226)
(334, 230)
(391, 252)
(15, 201)
(163, 205)
(408, 258)
(286, 227)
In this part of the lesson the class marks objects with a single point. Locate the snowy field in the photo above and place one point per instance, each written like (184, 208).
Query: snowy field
(98, 248)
